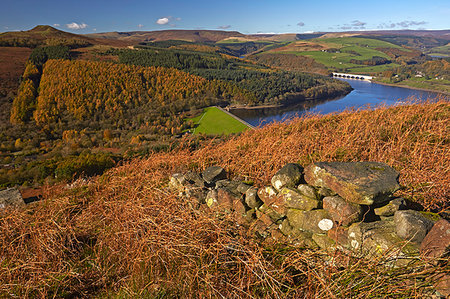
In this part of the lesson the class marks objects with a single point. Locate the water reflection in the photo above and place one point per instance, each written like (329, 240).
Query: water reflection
(364, 94)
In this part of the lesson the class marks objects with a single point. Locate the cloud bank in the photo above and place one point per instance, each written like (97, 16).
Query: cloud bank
(223, 27)
(301, 24)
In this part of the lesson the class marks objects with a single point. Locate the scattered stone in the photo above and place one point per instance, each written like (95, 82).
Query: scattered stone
(341, 211)
(304, 239)
(240, 212)
(177, 182)
(325, 224)
(307, 220)
(294, 199)
(252, 199)
(268, 195)
(436, 243)
(358, 182)
(288, 176)
(393, 206)
(225, 200)
(308, 191)
(198, 194)
(211, 198)
(324, 192)
(195, 179)
(11, 197)
(213, 174)
(411, 225)
(243, 187)
(339, 234)
(230, 185)
(324, 242)
(275, 215)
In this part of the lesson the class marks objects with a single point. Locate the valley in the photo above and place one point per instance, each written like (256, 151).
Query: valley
(223, 163)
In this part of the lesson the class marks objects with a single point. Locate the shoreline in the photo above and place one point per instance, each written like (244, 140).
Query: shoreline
(415, 88)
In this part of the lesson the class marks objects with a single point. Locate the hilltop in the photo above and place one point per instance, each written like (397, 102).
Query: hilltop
(186, 35)
(47, 35)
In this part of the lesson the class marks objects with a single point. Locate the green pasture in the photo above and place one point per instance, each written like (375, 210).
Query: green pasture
(214, 121)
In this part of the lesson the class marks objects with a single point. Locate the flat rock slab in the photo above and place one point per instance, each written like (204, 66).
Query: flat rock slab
(379, 238)
(11, 198)
(358, 182)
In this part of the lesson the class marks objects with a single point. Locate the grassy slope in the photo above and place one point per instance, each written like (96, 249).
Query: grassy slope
(124, 234)
(213, 121)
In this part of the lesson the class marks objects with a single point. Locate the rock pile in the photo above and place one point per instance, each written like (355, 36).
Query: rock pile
(348, 206)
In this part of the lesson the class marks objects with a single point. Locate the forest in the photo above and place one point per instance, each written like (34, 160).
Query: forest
(71, 116)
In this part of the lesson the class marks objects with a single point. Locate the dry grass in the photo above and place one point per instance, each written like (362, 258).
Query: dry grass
(125, 235)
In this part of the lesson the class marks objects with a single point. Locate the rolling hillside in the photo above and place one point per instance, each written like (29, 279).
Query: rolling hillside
(186, 35)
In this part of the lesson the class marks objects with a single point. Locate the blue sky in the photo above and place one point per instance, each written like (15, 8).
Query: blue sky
(252, 16)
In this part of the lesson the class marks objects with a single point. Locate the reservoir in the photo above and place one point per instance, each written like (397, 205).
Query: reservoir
(365, 94)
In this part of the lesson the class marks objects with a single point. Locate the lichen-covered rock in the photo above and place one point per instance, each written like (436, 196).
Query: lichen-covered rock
(252, 199)
(267, 195)
(271, 200)
(309, 220)
(213, 174)
(411, 225)
(393, 206)
(436, 243)
(324, 242)
(341, 211)
(211, 199)
(358, 182)
(308, 191)
(294, 199)
(379, 238)
(288, 176)
(11, 197)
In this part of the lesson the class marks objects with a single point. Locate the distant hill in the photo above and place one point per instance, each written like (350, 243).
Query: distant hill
(43, 35)
(186, 35)
(440, 34)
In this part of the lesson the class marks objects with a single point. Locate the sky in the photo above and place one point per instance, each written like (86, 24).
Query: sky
(253, 16)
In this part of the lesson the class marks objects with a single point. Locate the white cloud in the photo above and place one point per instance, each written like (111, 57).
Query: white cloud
(224, 27)
(301, 24)
(140, 26)
(76, 26)
(56, 25)
(357, 23)
(162, 21)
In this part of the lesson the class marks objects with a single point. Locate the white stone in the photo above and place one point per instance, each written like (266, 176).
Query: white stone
(278, 184)
(326, 224)
(354, 244)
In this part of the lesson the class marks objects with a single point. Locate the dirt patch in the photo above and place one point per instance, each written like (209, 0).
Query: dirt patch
(12, 64)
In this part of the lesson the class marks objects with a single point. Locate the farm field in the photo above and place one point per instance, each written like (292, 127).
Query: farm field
(213, 121)
(337, 53)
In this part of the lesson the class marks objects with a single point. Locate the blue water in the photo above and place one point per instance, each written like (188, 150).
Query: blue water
(364, 95)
